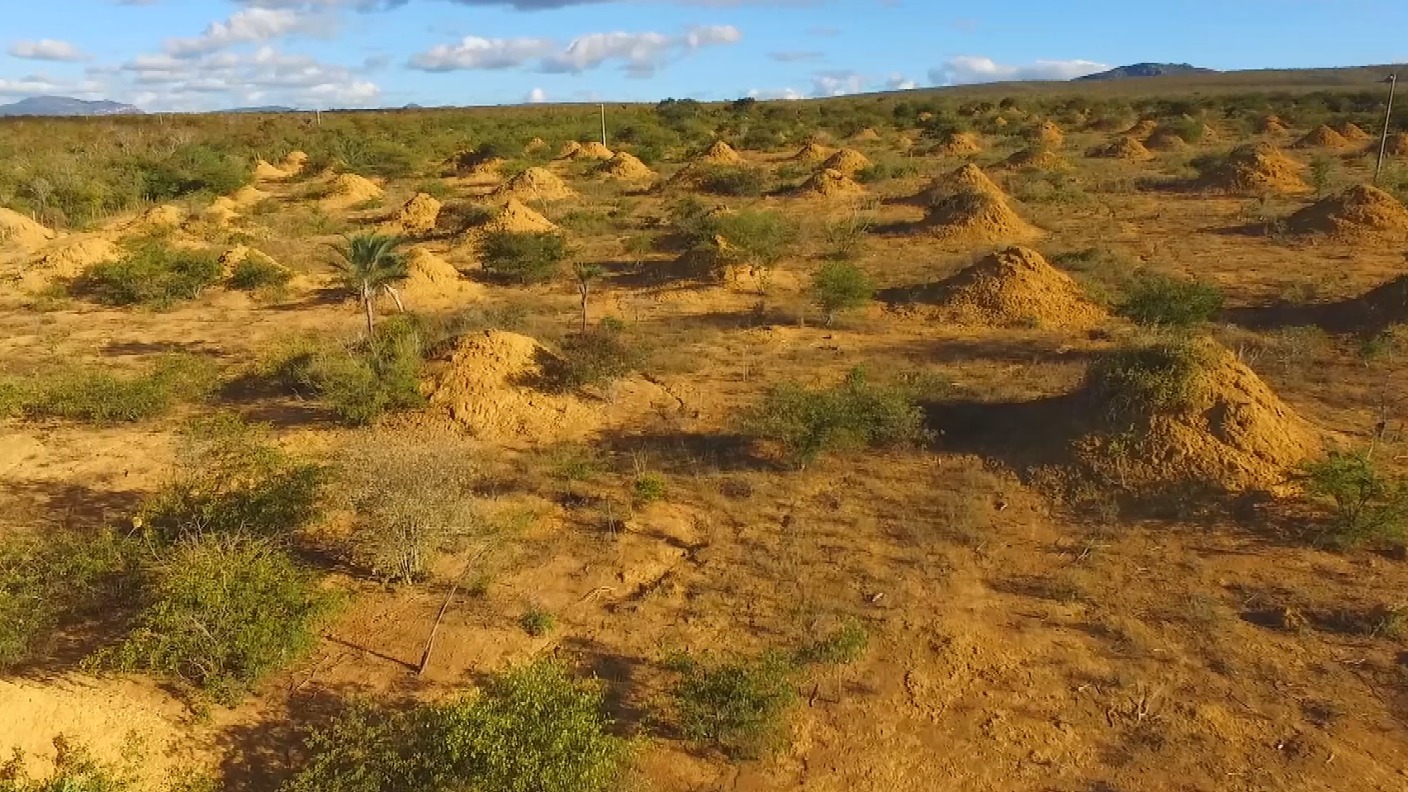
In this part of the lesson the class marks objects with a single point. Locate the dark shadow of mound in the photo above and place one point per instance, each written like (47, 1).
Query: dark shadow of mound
(1368, 315)
(680, 452)
(932, 293)
(1020, 435)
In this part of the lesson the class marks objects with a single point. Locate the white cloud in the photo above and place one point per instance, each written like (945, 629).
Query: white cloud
(40, 84)
(249, 25)
(788, 94)
(46, 49)
(837, 83)
(969, 69)
(640, 54)
(536, 96)
(222, 79)
(898, 82)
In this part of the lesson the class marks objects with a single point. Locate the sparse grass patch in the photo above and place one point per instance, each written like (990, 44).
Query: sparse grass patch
(1363, 503)
(1104, 275)
(362, 380)
(1163, 301)
(151, 273)
(526, 258)
(847, 236)
(738, 704)
(538, 622)
(738, 181)
(74, 770)
(886, 170)
(649, 488)
(99, 396)
(596, 358)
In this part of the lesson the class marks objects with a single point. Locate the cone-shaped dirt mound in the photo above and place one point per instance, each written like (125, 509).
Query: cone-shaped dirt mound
(977, 217)
(475, 162)
(1360, 213)
(812, 154)
(349, 189)
(419, 214)
(967, 178)
(1166, 140)
(1255, 168)
(519, 219)
(867, 135)
(847, 161)
(1048, 134)
(593, 151)
(535, 184)
(431, 277)
(1142, 128)
(1351, 132)
(1123, 147)
(157, 218)
(626, 167)
(569, 150)
(828, 183)
(534, 146)
(1272, 125)
(1397, 145)
(1033, 157)
(294, 163)
(1016, 287)
(957, 144)
(263, 171)
(720, 153)
(240, 254)
(19, 231)
(1322, 137)
(1226, 429)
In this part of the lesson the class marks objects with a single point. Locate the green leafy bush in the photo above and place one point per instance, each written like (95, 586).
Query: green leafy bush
(531, 729)
(597, 357)
(739, 704)
(1147, 379)
(81, 394)
(195, 168)
(361, 381)
(258, 272)
(886, 170)
(538, 622)
(1159, 300)
(531, 257)
(75, 770)
(732, 180)
(220, 612)
(853, 414)
(1365, 504)
(233, 480)
(57, 578)
(152, 274)
(839, 286)
(649, 488)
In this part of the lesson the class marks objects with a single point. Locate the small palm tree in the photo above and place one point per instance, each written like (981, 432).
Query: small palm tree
(370, 264)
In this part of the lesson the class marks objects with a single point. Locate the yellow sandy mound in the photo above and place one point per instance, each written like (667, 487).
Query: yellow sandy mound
(1322, 137)
(419, 214)
(263, 171)
(69, 257)
(812, 154)
(20, 231)
(519, 219)
(1048, 134)
(1351, 132)
(1235, 434)
(1255, 168)
(485, 388)
(626, 167)
(593, 151)
(534, 146)
(720, 153)
(1397, 145)
(159, 217)
(1272, 125)
(1038, 158)
(828, 183)
(1123, 147)
(569, 150)
(847, 161)
(977, 217)
(1142, 128)
(967, 178)
(349, 189)
(1360, 213)
(1017, 287)
(222, 211)
(240, 254)
(294, 163)
(535, 184)
(867, 135)
(1166, 140)
(958, 144)
(431, 278)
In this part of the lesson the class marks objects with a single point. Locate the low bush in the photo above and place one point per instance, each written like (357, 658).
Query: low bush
(98, 396)
(151, 273)
(843, 646)
(74, 770)
(847, 237)
(840, 286)
(1159, 300)
(195, 168)
(526, 258)
(220, 613)
(886, 170)
(1146, 379)
(649, 488)
(732, 180)
(739, 704)
(256, 273)
(595, 358)
(532, 729)
(538, 622)
(363, 380)
(1364, 503)
(232, 480)
(854, 414)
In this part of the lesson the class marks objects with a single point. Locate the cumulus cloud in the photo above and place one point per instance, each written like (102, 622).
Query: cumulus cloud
(37, 84)
(249, 25)
(837, 83)
(898, 82)
(223, 78)
(640, 54)
(45, 49)
(969, 69)
(536, 96)
(788, 94)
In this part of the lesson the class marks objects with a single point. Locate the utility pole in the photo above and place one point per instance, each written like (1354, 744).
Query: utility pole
(1388, 114)
(603, 125)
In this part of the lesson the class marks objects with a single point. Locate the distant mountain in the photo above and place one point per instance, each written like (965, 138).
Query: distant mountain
(65, 106)
(1147, 70)
(262, 109)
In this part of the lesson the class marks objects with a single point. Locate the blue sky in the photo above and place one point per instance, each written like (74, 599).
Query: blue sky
(207, 54)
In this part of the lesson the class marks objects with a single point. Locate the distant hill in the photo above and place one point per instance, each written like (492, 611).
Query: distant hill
(261, 109)
(1147, 70)
(65, 106)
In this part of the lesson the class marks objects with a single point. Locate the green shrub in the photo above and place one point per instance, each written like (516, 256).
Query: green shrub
(75, 770)
(843, 646)
(257, 272)
(231, 480)
(595, 358)
(1104, 275)
(1322, 168)
(195, 168)
(1365, 504)
(853, 414)
(1159, 300)
(363, 380)
(757, 237)
(732, 180)
(538, 622)
(151, 274)
(532, 729)
(649, 488)
(53, 579)
(532, 257)
(886, 170)
(847, 236)
(739, 704)
(219, 613)
(104, 397)
(1143, 380)
(840, 286)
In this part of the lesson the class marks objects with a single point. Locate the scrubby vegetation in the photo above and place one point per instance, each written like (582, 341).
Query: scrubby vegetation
(102, 395)
(152, 273)
(1146, 379)
(360, 380)
(1162, 301)
(1364, 504)
(524, 257)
